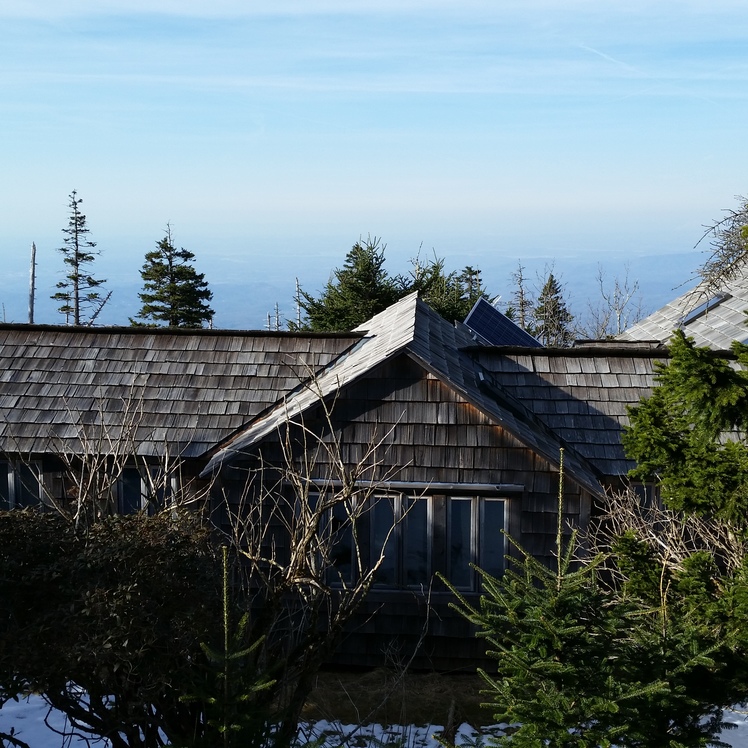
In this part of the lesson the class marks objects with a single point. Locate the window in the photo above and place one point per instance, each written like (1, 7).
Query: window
(130, 491)
(20, 485)
(4, 485)
(146, 488)
(703, 308)
(420, 536)
(341, 544)
(648, 495)
(406, 560)
(474, 536)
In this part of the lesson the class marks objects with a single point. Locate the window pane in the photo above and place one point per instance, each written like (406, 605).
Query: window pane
(4, 491)
(416, 542)
(341, 554)
(382, 520)
(27, 486)
(492, 539)
(460, 556)
(130, 491)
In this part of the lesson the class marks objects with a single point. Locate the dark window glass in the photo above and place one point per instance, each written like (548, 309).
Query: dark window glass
(160, 491)
(27, 486)
(130, 491)
(341, 543)
(491, 537)
(459, 534)
(382, 520)
(416, 544)
(704, 308)
(4, 486)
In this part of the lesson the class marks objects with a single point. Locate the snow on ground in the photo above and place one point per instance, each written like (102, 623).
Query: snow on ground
(39, 728)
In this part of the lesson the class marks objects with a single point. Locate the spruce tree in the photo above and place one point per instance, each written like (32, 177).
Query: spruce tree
(354, 293)
(363, 288)
(552, 317)
(580, 661)
(174, 293)
(79, 292)
(691, 433)
(452, 295)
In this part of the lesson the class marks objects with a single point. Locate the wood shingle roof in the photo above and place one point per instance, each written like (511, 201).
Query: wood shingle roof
(189, 389)
(214, 394)
(580, 394)
(714, 319)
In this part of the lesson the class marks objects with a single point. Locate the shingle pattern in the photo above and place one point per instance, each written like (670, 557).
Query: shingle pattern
(188, 389)
(412, 328)
(384, 335)
(717, 328)
(582, 395)
(440, 346)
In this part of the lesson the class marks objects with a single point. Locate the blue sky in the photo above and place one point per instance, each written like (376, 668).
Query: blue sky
(271, 135)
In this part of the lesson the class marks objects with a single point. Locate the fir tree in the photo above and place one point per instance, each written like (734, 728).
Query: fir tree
(79, 293)
(174, 293)
(235, 693)
(354, 293)
(452, 295)
(363, 288)
(690, 433)
(581, 663)
(552, 317)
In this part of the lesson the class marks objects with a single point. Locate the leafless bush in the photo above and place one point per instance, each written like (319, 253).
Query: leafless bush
(672, 537)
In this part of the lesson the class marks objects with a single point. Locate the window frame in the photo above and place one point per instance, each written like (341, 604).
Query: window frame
(402, 506)
(478, 539)
(14, 487)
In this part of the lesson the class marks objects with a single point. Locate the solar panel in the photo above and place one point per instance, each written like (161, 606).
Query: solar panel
(496, 328)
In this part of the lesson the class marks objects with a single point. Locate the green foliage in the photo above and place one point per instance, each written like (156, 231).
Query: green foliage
(79, 292)
(582, 663)
(452, 295)
(688, 433)
(577, 664)
(236, 689)
(363, 288)
(106, 624)
(174, 293)
(551, 317)
(354, 293)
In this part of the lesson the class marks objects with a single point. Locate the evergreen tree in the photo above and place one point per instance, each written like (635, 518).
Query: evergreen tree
(354, 293)
(174, 293)
(690, 433)
(581, 663)
(688, 438)
(452, 295)
(79, 293)
(552, 317)
(363, 288)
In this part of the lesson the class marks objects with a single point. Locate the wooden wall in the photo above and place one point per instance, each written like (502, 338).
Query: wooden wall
(426, 433)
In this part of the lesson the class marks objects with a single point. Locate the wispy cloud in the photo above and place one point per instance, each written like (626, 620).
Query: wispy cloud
(613, 60)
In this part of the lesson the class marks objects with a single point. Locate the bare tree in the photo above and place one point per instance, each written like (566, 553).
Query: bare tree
(673, 537)
(619, 307)
(297, 530)
(522, 302)
(728, 239)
